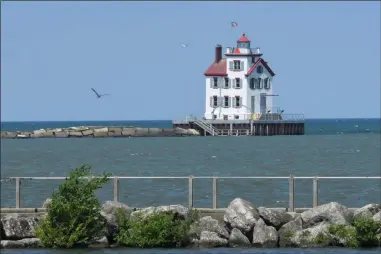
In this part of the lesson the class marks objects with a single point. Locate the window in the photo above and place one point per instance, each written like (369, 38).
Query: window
(225, 117)
(215, 101)
(236, 116)
(226, 84)
(214, 117)
(260, 69)
(267, 83)
(237, 83)
(258, 85)
(226, 101)
(237, 101)
(215, 82)
(253, 59)
(252, 83)
(237, 65)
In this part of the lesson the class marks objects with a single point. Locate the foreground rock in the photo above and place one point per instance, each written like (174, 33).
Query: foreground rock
(333, 213)
(179, 210)
(17, 227)
(211, 239)
(274, 218)
(264, 236)
(21, 244)
(209, 224)
(367, 211)
(237, 239)
(242, 215)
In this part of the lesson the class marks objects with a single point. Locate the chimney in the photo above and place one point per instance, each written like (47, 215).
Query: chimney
(218, 53)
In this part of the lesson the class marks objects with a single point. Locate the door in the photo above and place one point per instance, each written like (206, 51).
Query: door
(252, 104)
(263, 103)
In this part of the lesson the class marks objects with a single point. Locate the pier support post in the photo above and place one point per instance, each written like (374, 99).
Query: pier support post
(291, 194)
(190, 192)
(215, 188)
(18, 201)
(315, 192)
(116, 189)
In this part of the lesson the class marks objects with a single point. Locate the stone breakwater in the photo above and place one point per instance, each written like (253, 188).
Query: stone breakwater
(243, 225)
(99, 132)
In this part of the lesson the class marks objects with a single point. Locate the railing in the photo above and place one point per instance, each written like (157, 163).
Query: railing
(258, 117)
(291, 179)
(235, 132)
(205, 125)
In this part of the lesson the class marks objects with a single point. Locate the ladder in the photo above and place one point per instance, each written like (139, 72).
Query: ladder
(204, 125)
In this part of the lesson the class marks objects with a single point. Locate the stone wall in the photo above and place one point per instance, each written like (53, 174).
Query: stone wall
(99, 132)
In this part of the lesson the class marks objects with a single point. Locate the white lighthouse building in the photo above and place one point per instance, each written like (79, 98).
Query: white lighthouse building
(239, 86)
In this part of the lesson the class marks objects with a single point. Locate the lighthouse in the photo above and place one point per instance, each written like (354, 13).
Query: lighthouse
(239, 86)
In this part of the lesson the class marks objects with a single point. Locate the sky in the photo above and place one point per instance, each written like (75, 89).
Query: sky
(326, 56)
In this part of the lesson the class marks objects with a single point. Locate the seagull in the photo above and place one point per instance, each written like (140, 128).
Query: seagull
(99, 95)
(268, 111)
(234, 24)
(184, 45)
(282, 111)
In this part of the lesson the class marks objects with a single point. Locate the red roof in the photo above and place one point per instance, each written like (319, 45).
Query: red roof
(243, 38)
(217, 69)
(260, 60)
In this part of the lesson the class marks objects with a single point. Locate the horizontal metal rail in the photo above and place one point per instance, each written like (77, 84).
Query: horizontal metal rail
(191, 179)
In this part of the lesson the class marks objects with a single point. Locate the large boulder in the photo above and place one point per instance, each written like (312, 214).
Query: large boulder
(333, 213)
(179, 210)
(47, 203)
(21, 244)
(242, 215)
(211, 239)
(237, 239)
(207, 223)
(377, 216)
(274, 218)
(311, 237)
(264, 236)
(16, 227)
(287, 230)
(367, 211)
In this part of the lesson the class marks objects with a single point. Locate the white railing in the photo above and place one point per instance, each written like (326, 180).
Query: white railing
(258, 117)
(205, 125)
(291, 179)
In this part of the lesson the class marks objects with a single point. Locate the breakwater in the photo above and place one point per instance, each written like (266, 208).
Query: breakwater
(99, 132)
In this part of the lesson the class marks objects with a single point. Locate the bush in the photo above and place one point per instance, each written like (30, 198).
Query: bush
(161, 229)
(365, 232)
(73, 217)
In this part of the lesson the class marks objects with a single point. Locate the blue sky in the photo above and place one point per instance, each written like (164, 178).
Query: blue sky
(326, 56)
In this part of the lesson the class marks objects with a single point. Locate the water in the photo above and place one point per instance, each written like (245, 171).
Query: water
(198, 251)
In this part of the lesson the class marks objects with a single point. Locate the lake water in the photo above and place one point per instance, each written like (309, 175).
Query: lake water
(336, 147)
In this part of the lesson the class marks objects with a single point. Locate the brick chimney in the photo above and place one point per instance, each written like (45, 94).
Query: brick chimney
(218, 53)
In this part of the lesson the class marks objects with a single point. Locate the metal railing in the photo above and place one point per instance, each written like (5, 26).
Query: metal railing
(291, 179)
(205, 125)
(258, 117)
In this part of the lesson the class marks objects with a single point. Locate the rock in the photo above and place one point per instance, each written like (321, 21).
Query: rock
(36, 135)
(7, 134)
(167, 132)
(241, 214)
(79, 128)
(21, 244)
(104, 129)
(47, 203)
(237, 239)
(48, 134)
(207, 223)
(100, 134)
(22, 135)
(100, 242)
(288, 230)
(211, 239)
(274, 218)
(377, 216)
(294, 215)
(193, 132)
(17, 227)
(62, 134)
(76, 134)
(308, 237)
(115, 131)
(264, 236)
(87, 132)
(129, 132)
(367, 211)
(180, 210)
(180, 131)
(109, 212)
(333, 212)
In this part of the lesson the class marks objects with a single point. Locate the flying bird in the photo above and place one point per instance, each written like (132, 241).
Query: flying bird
(234, 24)
(184, 45)
(99, 95)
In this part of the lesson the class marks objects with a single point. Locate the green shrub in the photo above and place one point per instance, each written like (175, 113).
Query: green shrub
(365, 232)
(73, 217)
(161, 229)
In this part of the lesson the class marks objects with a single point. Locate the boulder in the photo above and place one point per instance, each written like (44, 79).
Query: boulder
(238, 239)
(333, 213)
(308, 237)
(242, 215)
(79, 128)
(288, 230)
(61, 134)
(264, 236)
(180, 131)
(16, 227)
(377, 216)
(294, 215)
(141, 132)
(100, 134)
(180, 210)
(193, 132)
(367, 211)
(87, 132)
(7, 134)
(207, 223)
(76, 134)
(167, 132)
(104, 129)
(211, 239)
(36, 135)
(274, 218)
(48, 134)
(47, 203)
(129, 132)
(21, 244)
(100, 242)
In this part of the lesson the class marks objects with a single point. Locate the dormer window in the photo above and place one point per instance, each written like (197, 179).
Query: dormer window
(237, 65)
(260, 69)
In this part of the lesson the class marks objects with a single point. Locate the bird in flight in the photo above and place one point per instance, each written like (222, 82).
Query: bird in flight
(99, 95)
(184, 45)
(234, 24)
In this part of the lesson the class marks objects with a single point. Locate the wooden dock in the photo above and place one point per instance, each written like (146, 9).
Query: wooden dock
(265, 125)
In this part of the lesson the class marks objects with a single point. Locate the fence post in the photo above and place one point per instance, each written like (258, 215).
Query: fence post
(215, 192)
(291, 194)
(116, 189)
(18, 201)
(190, 192)
(315, 192)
